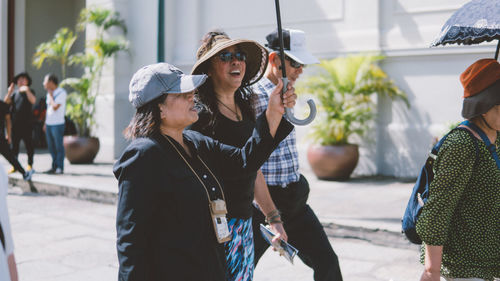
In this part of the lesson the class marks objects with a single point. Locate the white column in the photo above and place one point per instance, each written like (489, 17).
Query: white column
(187, 35)
(20, 58)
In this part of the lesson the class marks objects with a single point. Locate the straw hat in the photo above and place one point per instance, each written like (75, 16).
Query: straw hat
(256, 62)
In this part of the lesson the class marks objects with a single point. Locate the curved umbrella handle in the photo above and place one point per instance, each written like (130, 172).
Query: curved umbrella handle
(289, 111)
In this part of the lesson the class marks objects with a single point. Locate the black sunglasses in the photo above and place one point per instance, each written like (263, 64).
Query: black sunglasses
(294, 63)
(227, 56)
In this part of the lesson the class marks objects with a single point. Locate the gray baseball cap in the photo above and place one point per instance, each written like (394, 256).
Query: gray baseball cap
(154, 80)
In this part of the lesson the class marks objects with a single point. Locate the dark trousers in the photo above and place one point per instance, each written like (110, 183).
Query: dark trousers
(24, 134)
(304, 231)
(9, 155)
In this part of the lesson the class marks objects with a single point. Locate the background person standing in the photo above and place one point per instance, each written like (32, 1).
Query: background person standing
(5, 140)
(288, 188)
(54, 122)
(22, 100)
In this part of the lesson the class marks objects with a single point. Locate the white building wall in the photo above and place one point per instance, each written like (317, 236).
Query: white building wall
(430, 77)
(400, 29)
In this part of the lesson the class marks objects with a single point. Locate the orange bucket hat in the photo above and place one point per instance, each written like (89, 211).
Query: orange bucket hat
(481, 82)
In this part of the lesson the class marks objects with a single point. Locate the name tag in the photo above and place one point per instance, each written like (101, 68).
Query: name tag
(218, 212)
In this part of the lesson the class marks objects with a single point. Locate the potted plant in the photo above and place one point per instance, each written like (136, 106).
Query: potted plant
(81, 101)
(344, 88)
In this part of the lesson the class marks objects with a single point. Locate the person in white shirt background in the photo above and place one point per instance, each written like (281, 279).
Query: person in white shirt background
(54, 122)
(8, 269)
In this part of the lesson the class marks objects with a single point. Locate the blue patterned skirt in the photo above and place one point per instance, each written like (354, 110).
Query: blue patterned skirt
(239, 251)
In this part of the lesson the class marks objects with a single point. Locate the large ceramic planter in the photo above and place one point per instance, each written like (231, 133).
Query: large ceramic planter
(81, 150)
(335, 162)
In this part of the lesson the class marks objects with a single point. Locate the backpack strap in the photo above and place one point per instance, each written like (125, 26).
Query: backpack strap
(462, 127)
(491, 147)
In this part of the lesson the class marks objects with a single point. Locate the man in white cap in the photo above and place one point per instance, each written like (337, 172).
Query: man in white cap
(288, 188)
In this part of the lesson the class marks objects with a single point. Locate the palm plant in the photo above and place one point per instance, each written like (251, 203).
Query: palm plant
(344, 88)
(56, 49)
(81, 101)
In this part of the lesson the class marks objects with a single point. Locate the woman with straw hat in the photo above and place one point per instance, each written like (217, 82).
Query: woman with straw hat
(226, 114)
(171, 219)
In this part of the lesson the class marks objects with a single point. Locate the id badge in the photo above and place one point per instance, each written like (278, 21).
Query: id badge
(218, 212)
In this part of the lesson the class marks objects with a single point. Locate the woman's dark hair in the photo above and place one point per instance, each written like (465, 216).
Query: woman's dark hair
(22, 74)
(146, 121)
(206, 97)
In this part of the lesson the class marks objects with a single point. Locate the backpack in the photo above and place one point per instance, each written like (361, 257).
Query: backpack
(420, 192)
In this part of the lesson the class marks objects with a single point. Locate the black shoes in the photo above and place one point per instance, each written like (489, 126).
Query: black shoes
(50, 171)
(57, 171)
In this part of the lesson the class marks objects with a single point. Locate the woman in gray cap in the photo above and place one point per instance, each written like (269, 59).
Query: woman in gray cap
(459, 223)
(171, 208)
(226, 115)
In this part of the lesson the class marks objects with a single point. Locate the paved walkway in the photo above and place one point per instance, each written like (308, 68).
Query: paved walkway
(371, 203)
(62, 239)
(59, 238)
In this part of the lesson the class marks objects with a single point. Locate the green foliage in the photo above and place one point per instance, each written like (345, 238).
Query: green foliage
(102, 18)
(80, 105)
(81, 101)
(56, 49)
(344, 88)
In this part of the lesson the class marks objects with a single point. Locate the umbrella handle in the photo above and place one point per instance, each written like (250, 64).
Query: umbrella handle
(289, 111)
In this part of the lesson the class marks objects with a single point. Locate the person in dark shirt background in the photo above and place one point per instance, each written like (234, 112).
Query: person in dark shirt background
(6, 139)
(22, 100)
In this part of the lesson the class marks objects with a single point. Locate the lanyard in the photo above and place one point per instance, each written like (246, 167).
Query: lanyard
(491, 147)
(187, 163)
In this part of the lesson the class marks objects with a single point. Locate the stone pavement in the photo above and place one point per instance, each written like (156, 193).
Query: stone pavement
(62, 239)
(79, 236)
(374, 203)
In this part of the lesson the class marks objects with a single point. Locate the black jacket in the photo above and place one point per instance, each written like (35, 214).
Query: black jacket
(163, 222)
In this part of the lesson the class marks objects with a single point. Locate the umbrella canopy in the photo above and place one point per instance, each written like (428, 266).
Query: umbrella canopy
(475, 22)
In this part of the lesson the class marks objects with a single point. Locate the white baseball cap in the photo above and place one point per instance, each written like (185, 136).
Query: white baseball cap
(294, 43)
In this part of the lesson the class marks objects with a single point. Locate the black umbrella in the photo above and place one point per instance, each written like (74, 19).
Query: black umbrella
(475, 22)
(288, 111)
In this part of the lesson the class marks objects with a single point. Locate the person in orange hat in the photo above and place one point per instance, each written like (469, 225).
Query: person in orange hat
(459, 223)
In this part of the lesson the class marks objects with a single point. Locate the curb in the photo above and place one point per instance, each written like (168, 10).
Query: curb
(376, 236)
(45, 188)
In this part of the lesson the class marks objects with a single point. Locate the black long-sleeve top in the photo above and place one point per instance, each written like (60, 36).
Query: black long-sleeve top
(163, 222)
(239, 189)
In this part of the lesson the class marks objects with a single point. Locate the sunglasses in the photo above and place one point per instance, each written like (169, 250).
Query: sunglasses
(228, 56)
(294, 63)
